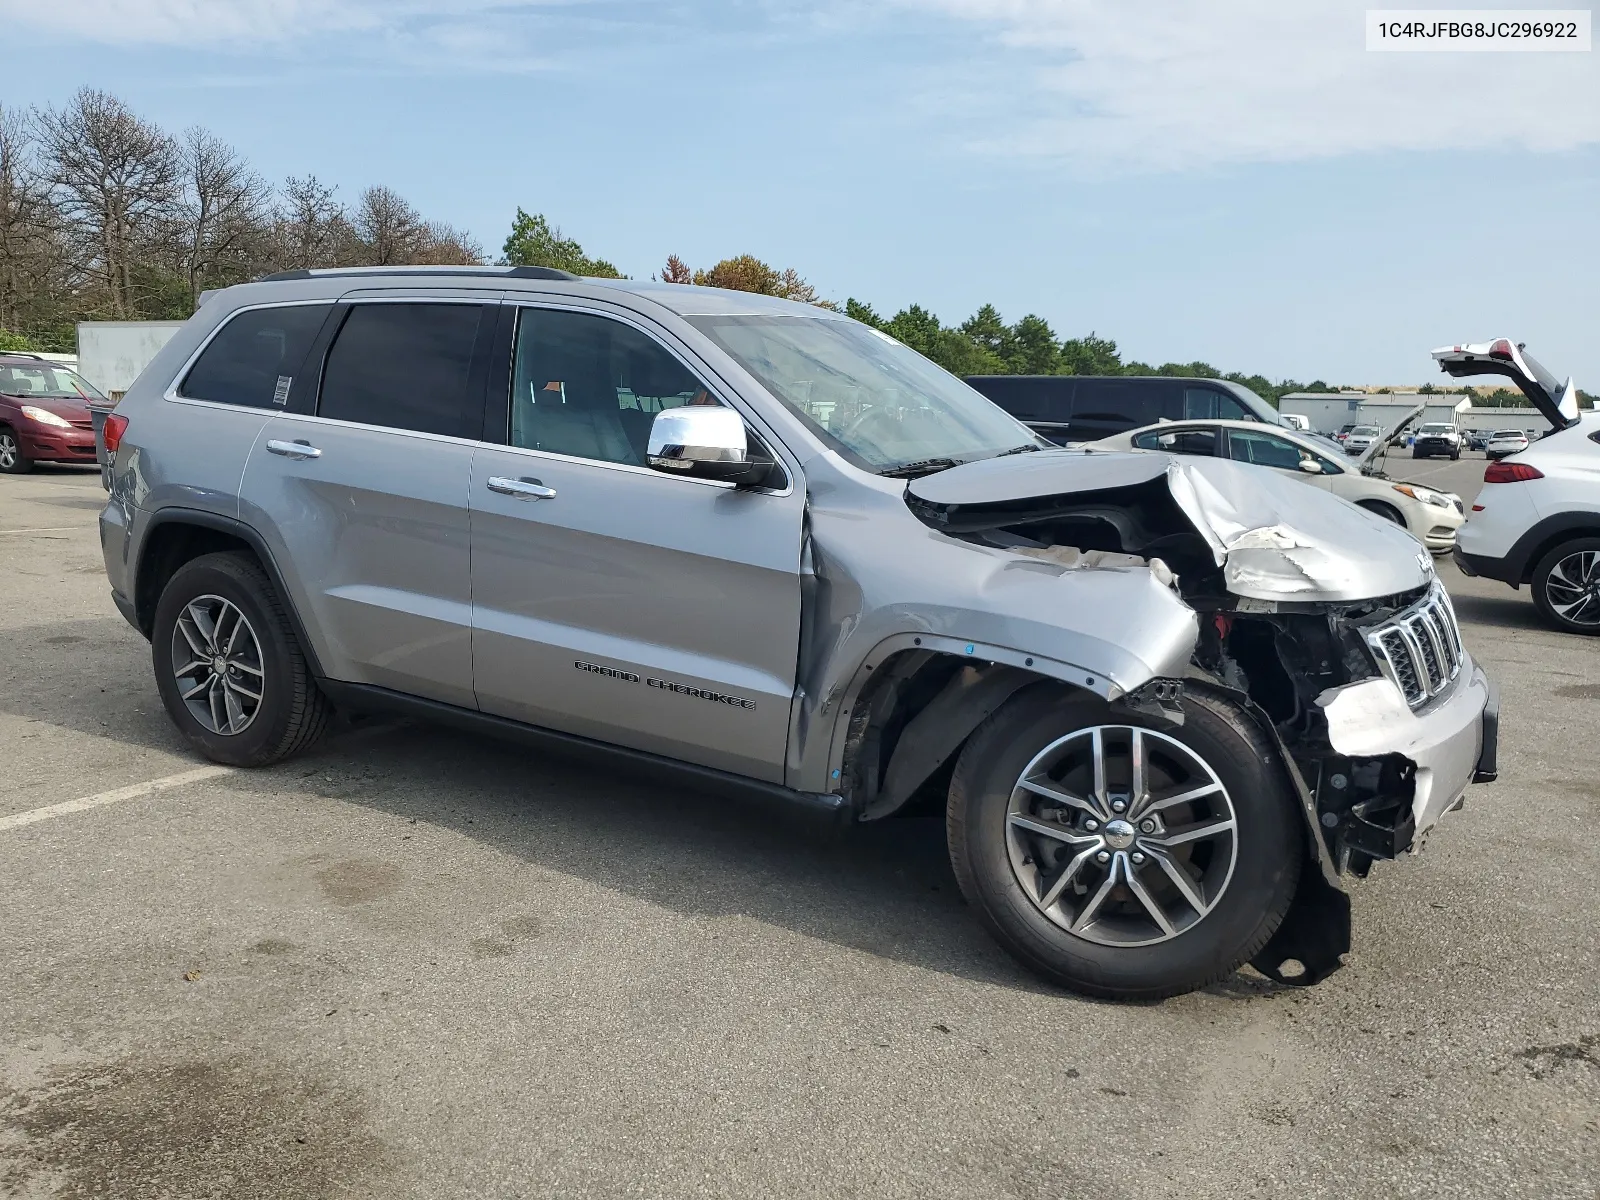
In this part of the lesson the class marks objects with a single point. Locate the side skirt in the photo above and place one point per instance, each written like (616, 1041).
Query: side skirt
(366, 699)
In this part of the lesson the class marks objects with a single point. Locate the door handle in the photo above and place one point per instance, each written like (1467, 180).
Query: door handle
(522, 489)
(293, 449)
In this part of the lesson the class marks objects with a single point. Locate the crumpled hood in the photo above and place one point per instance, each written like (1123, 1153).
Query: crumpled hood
(1274, 538)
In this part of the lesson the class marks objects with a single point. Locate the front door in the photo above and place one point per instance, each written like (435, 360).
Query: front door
(611, 600)
(364, 501)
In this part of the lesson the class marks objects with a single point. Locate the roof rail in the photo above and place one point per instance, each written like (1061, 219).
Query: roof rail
(22, 354)
(352, 272)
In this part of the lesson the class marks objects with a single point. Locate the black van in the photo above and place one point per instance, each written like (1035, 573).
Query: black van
(1085, 408)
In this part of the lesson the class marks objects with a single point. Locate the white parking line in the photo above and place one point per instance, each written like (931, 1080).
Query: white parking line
(51, 529)
(132, 792)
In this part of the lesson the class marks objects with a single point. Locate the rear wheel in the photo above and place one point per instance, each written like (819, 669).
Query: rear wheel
(1119, 856)
(12, 460)
(1566, 586)
(229, 668)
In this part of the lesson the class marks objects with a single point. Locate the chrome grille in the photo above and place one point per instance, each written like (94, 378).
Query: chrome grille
(1420, 649)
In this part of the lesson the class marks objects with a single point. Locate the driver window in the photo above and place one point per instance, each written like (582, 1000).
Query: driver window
(589, 387)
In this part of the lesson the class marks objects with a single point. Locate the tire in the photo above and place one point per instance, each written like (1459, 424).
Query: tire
(1571, 609)
(1419, 454)
(1456, 457)
(1003, 871)
(1387, 511)
(288, 713)
(12, 461)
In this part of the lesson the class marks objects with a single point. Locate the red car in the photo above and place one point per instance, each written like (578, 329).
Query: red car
(44, 414)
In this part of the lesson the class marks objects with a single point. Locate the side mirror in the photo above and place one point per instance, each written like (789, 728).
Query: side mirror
(1311, 466)
(704, 442)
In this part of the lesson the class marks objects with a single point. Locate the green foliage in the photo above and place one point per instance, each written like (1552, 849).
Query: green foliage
(534, 243)
(10, 341)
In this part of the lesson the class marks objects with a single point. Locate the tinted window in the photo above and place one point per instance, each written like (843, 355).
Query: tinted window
(1208, 404)
(1265, 450)
(1179, 441)
(255, 356)
(590, 387)
(1037, 401)
(1106, 406)
(404, 366)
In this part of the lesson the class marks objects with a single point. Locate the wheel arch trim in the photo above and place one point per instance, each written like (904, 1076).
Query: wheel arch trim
(217, 522)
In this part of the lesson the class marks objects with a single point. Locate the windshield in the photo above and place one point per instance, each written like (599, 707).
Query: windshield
(880, 404)
(1364, 431)
(1438, 429)
(1506, 433)
(46, 382)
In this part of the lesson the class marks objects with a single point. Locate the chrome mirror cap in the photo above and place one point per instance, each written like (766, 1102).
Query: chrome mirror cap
(705, 441)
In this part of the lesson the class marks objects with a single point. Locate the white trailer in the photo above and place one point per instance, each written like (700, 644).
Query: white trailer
(112, 353)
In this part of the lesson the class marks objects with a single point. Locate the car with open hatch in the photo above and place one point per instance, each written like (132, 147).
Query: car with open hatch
(1536, 520)
(1166, 706)
(1429, 515)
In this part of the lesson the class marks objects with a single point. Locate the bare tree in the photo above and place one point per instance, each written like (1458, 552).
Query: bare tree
(313, 230)
(391, 231)
(114, 181)
(24, 221)
(224, 214)
(446, 246)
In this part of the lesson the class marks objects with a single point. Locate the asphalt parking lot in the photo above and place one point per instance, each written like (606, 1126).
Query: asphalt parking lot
(418, 964)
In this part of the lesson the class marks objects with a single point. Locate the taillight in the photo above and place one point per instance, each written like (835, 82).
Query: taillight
(113, 430)
(1510, 472)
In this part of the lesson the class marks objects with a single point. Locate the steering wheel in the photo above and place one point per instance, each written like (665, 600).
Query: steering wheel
(864, 422)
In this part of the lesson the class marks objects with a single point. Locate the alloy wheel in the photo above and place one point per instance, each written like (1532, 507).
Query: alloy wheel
(1121, 835)
(220, 678)
(9, 452)
(1573, 587)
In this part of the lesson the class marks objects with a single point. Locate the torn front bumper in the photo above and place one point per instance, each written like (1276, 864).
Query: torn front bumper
(1399, 770)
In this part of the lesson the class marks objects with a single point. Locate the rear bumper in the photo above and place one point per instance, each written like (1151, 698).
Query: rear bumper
(1486, 567)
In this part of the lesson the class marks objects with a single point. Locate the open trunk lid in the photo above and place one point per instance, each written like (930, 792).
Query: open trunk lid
(1556, 402)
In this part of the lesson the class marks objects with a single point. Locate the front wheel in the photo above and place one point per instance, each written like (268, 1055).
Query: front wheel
(1566, 586)
(12, 460)
(229, 668)
(1387, 511)
(1121, 856)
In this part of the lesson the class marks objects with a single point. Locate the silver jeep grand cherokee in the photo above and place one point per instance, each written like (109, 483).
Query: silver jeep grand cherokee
(1163, 703)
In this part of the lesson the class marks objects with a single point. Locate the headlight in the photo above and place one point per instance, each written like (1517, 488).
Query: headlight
(45, 417)
(1423, 494)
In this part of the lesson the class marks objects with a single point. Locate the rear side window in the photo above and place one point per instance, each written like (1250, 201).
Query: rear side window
(1209, 404)
(1036, 401)
(404, 366)
(1107, 406)
(253, 359)
(1179, 441)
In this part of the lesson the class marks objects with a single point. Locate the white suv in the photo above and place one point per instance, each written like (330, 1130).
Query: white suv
(1540, 523)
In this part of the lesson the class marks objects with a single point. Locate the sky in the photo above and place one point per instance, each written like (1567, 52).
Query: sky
(1235, 181)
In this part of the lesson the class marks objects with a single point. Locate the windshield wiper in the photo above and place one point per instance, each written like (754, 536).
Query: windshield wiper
(926, 466)
(1024, 449)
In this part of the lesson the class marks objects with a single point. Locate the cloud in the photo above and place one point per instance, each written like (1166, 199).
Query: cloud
(1176, 84)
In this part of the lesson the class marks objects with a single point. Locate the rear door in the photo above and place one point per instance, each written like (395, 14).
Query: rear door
(611, 600)
(362, 497)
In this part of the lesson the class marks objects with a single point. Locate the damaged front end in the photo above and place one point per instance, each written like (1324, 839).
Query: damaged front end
(1326, 625)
